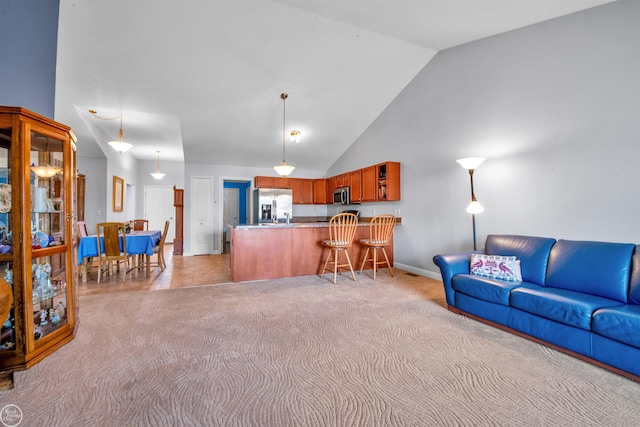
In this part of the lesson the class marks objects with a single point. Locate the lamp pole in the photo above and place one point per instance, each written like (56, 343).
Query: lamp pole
(471, 164)
(473, 215)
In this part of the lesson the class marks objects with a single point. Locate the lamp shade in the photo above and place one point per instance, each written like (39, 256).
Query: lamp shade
(45, 171)
(475, 207)
(120, 146)
(471, 163)
(284, 169)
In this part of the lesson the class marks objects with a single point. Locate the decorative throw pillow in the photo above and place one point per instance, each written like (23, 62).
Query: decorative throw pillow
(496, 267)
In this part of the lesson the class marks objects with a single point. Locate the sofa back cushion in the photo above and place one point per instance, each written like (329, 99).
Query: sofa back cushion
(634, 283)
(595, 268)
(533, 253)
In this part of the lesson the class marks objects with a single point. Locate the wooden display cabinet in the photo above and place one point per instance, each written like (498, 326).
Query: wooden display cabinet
(37, 234)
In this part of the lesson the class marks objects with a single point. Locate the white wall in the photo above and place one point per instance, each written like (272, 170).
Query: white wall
(95, 202)
(555, 108)
(174, 176)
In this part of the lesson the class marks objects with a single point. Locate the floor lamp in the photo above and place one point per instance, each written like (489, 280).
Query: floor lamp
(471, 164)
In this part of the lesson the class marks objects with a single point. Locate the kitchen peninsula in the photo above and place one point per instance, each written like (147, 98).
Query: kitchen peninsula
(272, 251)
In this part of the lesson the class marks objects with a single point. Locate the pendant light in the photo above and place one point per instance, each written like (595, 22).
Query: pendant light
(45, 170)
(284, 169)
(157, 174)
(119, 144)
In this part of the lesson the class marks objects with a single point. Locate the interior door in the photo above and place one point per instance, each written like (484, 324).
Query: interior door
(231, 209)
(201, 222)
(158, 208)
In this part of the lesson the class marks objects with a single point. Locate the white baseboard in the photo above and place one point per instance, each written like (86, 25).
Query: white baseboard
(418, 271)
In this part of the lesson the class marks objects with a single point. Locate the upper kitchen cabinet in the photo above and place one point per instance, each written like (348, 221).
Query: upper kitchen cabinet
(37, 237)
(369, 184)
(272, 182)
(381, 183)
(302, 191)
(388, 184)
(320, 191)
(355, 186)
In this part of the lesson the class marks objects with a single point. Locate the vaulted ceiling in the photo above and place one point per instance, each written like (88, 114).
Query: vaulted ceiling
(200, 80)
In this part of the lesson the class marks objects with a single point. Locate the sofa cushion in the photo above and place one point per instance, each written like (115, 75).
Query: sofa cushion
(533, 253)
(484, 288)
(620, 323)
(496, 267)
(634, 282)
(560, 305)
(596, 268)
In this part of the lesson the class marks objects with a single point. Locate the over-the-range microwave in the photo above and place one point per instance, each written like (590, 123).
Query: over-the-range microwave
(341, 196)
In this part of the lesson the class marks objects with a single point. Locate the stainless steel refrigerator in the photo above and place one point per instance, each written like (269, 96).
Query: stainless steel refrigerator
(272, 203)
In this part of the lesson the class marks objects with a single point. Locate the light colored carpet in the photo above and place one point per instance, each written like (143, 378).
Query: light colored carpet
(306, 352)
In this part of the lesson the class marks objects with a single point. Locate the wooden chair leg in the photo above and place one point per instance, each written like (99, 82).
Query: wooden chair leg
(364, 260)
(350, 266)
(326, 261)
(335, 266)
(375, 262)
(388, 263)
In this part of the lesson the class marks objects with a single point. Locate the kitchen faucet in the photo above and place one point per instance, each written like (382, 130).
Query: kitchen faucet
(287, 215)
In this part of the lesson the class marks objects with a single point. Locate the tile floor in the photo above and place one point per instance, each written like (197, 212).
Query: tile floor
(181, 271)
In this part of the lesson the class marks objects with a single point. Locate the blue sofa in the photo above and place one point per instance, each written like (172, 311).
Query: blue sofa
(580, 297)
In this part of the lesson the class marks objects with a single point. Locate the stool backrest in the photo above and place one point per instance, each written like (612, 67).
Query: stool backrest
(381, 228)
(342, 228)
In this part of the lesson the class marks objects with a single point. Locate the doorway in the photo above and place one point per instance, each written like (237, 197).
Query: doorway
(158, 208)
(201, 219)
(235, 206)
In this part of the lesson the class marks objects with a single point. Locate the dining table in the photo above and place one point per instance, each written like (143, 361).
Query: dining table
(139, 242)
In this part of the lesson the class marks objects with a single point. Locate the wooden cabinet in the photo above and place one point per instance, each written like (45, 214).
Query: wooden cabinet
(341, 180)
(80, 192)
(355, 185)
(302, 191)
(381, 183)
(388, 181)
(272, 182)
(320, 191)
(377, 183)
(38, 235)
(178, 203)
(369, 184)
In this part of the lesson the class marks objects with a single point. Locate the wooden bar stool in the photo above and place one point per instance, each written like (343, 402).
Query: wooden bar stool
(342, 230)
(380, 235)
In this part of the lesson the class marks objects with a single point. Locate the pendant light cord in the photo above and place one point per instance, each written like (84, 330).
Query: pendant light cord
(284, 122)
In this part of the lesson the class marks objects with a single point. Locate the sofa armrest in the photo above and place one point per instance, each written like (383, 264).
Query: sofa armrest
(450, 265)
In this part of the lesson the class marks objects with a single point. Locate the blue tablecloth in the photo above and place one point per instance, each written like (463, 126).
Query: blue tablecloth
(138, 242)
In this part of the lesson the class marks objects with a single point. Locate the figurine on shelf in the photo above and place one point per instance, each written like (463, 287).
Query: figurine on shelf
(42, 275)
(61, 310)
(43, 317)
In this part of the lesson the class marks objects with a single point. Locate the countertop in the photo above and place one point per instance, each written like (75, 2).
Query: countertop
(302, 224)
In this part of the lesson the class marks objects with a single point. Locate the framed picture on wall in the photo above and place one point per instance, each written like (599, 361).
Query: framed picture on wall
(118, 194)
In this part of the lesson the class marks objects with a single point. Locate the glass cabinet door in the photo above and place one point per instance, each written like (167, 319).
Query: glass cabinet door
(48, 237)
(8, 328)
